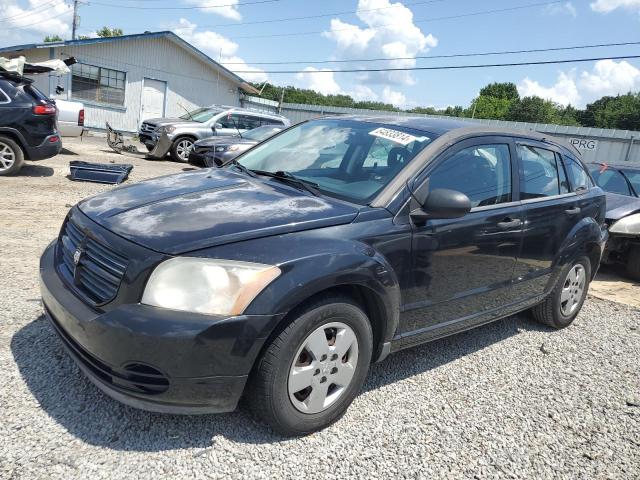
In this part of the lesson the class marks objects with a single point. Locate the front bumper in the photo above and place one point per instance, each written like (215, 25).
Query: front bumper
(153, 358)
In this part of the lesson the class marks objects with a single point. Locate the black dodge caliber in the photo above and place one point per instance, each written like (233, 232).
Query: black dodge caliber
(283, 275)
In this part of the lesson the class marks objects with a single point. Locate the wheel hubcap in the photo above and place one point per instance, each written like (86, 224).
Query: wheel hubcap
(572, 290)
(323, 367)
(7, 157)
(183, 149)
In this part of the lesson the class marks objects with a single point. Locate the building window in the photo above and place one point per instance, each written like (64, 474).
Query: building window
(97, 84)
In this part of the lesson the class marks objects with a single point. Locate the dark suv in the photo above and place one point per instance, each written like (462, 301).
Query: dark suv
(328, 246)
(27, 123)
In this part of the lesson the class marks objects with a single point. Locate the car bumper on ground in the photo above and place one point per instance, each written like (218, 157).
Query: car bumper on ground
(153, 358)
(50, 147)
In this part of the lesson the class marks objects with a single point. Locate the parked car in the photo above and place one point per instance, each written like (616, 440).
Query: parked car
(27, 123)
(70, 118)
(283, 276)
(205, 153)
(622, 184)
(203, 123)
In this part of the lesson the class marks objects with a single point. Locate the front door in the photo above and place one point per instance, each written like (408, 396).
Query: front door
(462, 267)
(153, 96)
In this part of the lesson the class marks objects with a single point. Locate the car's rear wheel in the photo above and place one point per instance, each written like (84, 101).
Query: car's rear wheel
(11, 156)
(181, 148)
(311, 372)
(633, 262)
(564, 303)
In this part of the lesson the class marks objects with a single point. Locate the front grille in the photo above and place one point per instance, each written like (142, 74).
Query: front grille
(200, 149)
(147, 127)
(135, 377)
(99, 270)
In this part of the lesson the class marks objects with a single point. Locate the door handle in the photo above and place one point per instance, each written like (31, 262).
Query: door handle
(573, 211)
(509, 223)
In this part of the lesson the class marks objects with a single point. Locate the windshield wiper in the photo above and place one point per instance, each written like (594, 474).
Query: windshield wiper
(236, 164)
(287, 177)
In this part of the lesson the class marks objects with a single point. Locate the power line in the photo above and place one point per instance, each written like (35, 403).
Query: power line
(448, 67)
(429, 57)
(38, 9)
(200, 7)
(423, 20)
(37, 23)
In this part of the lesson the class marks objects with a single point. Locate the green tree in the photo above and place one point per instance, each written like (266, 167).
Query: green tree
(506, 91)
(622, 111)
(105, 32)
(486, 106)
(533, 110)
(52, 38)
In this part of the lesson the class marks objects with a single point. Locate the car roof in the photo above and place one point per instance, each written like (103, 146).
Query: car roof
(458, 129)
(249, 111)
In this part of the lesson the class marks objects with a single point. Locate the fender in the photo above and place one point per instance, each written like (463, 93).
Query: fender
(341, 263)
(586, 233)
(16, 134)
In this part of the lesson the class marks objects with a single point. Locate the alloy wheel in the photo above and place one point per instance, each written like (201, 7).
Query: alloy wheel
(7, 157)
(323, 367)
(572, 290)
(183, 148)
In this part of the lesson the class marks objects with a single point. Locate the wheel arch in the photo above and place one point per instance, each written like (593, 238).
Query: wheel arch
(585, 239)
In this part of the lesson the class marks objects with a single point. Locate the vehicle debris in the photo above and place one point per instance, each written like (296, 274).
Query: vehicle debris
(99, 172)
(116, 141)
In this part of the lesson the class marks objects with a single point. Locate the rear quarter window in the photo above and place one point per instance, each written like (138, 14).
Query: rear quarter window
(578, 176)
(4, 98)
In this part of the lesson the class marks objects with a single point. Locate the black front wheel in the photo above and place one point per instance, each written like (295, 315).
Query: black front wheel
(312, 371)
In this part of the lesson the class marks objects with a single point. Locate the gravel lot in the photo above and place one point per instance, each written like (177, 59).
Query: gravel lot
(511, 399)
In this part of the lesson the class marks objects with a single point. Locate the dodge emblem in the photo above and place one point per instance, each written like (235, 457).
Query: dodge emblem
(76, 257)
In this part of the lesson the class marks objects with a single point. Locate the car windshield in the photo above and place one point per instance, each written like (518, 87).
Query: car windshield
(347, 159)
(634, 178)
(201, 115)
(261, 133)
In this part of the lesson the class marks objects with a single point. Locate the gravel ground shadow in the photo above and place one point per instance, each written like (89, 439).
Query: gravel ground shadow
(32, 170)
(64, 394)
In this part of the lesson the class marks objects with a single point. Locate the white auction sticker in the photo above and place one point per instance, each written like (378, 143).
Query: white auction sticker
(393, 135)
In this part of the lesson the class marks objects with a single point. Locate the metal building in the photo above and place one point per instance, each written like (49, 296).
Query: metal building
(124, 80)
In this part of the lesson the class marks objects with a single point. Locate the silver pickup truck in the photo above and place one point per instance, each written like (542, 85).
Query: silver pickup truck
(70, 118)
(216, 120)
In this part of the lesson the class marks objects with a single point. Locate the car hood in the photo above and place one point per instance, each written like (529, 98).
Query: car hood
(194, 210)
(619, 206)
(176, 122)
(226, 140)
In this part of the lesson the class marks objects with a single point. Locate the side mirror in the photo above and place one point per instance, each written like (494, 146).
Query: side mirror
(217, 126)
(441, 203)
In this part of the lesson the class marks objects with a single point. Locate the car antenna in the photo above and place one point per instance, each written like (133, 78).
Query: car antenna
(183, 107)
(235, 125)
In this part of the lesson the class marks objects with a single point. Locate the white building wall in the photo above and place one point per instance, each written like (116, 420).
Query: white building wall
(191, 82)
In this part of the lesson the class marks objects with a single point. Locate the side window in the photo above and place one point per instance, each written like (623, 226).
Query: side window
(482, 172)
(249, 122)
(610, 180)
(577, 175)
(543, 173)
(230, 121)
(271, 121)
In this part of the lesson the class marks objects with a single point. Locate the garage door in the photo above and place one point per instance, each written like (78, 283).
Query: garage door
(153, 93)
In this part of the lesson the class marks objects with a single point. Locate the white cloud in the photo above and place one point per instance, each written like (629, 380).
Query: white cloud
(606, 6)
(564, 91)
(219, 48)
(389, 32)
(562, 9)
(224, 8)
(38, 17)
(393, 97)
(324, 83)
(362, 93)
(607, 77)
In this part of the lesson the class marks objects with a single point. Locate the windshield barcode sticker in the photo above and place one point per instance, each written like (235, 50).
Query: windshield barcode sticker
(393, 135)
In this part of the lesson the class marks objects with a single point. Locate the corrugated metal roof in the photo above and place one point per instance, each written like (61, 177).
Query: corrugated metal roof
(138, 36)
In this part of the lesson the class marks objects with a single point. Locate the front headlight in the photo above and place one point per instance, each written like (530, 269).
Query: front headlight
(167, 129)
(220, 149)
(233, 148)
(628, 225)
(209, 286)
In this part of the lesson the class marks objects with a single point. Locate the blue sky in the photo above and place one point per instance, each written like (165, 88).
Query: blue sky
(375, 29)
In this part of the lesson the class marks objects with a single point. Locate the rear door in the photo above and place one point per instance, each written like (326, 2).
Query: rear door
(462, 267)
(550, 211)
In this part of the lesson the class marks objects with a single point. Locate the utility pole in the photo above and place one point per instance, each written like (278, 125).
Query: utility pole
(75, 20)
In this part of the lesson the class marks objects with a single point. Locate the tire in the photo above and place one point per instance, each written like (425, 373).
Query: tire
(286, 404)
(633, 262)
(11, 156)
(565, 301)
(179, 147)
